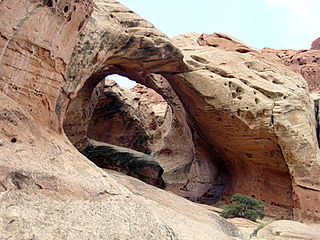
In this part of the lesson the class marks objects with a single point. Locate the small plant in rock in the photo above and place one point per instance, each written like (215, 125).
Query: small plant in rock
(244, 206)
(261, 225)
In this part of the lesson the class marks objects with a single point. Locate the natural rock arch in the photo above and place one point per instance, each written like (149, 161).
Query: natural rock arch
(67, 64)
(47, 188)
(206, 186)
(139, 51)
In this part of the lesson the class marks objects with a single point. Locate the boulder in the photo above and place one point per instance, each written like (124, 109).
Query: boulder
(130, 162)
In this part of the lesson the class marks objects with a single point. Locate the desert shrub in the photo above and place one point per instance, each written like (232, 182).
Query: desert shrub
(244, 206)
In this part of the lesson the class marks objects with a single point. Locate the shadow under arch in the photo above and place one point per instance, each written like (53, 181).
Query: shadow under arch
(196, 152)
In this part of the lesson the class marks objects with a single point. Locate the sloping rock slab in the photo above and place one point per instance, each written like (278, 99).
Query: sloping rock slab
(289, 230)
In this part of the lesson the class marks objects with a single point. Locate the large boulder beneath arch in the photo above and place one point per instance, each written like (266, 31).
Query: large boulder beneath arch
(130, 162)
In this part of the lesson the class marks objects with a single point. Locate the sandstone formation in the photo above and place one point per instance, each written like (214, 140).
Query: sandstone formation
(304, 62)
(48, 190)
(130, 162)
(158, 104)
(235, 123)
(288, 230)
(315, 44)
(248, 228)
(221, 41)
(206, 177)
(277, 230)
(259, 116)
(122, 118)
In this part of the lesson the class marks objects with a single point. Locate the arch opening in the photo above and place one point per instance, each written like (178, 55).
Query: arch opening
(183, 158)
(105, 121)
(115, 127)
(127, 114)
(122, 81)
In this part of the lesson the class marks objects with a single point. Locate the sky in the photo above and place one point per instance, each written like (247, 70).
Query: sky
(260, 23)
(280, 24)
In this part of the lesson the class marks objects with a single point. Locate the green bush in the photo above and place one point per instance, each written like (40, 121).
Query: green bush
(244, 207)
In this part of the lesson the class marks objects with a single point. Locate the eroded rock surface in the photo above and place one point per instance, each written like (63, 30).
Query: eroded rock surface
(288, 230)
(241, 122)
(304, 62)
(315, 44)
(123, 118)
(258, 114)
(48, 189)
(158, 104)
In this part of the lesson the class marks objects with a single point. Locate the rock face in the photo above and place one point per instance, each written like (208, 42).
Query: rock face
(222, 41)
(122, 118)
(304, 62)
(158, 104)
(287, 230)
(243, 124)
(315, 44)
(48, 189)
(257, 115)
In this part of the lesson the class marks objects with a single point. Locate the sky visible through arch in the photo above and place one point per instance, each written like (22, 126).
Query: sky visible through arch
(281, 24)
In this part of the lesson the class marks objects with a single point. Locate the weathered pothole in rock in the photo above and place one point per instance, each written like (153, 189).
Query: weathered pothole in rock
(66, 9)
(48, 3)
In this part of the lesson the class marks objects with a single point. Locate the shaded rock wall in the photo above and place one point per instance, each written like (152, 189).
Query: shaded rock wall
(121, 118)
